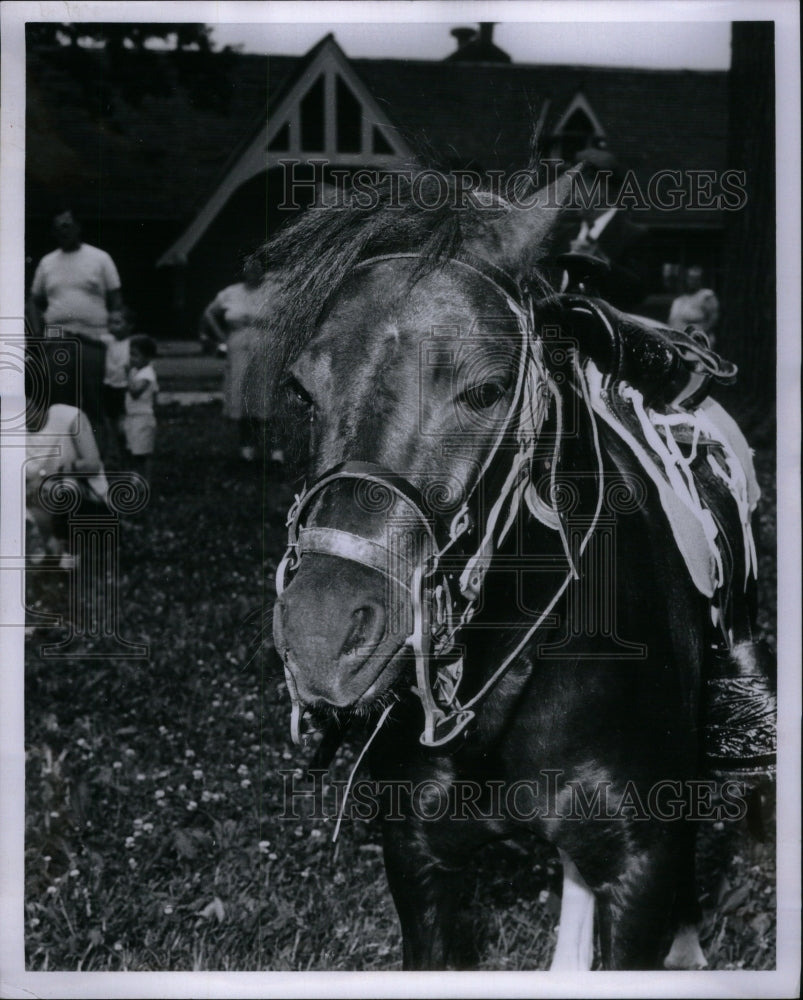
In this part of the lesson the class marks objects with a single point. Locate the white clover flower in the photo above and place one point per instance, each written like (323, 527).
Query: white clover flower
(167, 910)
(263, 846)
(245, 783)
(158, 794)
(189, 753)
(117, 765)
(206, 796)
(147, 827)
(192, 805)
(197, 774)
(272, 856)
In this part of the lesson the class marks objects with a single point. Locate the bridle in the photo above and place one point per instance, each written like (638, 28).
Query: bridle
(442, 604)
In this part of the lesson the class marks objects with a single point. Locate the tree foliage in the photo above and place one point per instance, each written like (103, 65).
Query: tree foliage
(114, 36)
(127, 62)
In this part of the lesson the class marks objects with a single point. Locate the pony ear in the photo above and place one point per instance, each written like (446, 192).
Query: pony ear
(518, 234)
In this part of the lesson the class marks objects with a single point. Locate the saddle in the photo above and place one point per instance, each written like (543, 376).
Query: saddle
(651, 384)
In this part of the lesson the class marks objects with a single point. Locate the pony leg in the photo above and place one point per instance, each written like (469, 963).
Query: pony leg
(686, 952)
(636, 910)
(574, 950)
(426, 894)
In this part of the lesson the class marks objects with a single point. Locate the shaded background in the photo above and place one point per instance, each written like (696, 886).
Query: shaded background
(138, 139)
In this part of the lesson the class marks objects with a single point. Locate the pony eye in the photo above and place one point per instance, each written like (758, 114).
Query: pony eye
(296, 390)
(483, 396)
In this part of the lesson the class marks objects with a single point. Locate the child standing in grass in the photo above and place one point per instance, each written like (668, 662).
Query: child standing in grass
(139, 423)
(115, 384)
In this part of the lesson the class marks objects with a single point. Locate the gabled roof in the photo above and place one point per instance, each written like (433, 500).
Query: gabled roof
(326, 68)
(165, 158)
(653, 119)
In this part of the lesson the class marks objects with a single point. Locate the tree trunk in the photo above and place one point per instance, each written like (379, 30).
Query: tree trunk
(748, 326)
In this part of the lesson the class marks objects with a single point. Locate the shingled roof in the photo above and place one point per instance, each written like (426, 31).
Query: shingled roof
(161, 159)
(654, 119)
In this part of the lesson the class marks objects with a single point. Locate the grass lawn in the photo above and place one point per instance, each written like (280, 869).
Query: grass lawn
(153, 784)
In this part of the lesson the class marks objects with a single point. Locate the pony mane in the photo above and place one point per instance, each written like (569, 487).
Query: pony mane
(312, 257)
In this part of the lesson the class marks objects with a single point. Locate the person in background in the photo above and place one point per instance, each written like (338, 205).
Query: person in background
(234, 318)
(75, 286)
(62, 460)
(73, 290)
(139, 423)
(697, 306)
(603, 250)
(115, 382)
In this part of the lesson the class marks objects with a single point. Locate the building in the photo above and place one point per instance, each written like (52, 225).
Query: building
(178, 190)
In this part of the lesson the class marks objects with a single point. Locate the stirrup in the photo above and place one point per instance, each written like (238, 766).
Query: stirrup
(740, 709)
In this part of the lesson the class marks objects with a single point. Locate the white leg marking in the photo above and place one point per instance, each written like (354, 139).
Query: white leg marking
(686, 952)
(574, 951)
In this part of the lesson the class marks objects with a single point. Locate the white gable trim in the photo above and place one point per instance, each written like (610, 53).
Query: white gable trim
(579, 101)
(330, 62)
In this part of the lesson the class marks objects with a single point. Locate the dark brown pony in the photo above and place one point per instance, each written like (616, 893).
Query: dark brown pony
(479, 555)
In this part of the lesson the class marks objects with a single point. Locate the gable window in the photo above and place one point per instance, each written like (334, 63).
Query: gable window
(313, 118)
(380, 143)
(328, 111)
(281, 141)
(578, 133)
(349, 119)
(577, 129)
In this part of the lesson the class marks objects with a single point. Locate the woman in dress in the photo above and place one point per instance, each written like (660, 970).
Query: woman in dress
(234, 318)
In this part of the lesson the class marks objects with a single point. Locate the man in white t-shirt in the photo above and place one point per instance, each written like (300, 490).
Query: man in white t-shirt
(76, 286)
(73, 290)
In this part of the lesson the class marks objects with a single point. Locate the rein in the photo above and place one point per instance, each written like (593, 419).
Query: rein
(435, 621)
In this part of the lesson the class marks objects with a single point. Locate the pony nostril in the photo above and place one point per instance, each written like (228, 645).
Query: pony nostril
(363, 630)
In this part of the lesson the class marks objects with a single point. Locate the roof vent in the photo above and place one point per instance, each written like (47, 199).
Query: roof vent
(463, 36)
(476, 45)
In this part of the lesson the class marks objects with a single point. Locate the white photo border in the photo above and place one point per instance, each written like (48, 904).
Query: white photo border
(784, 981)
